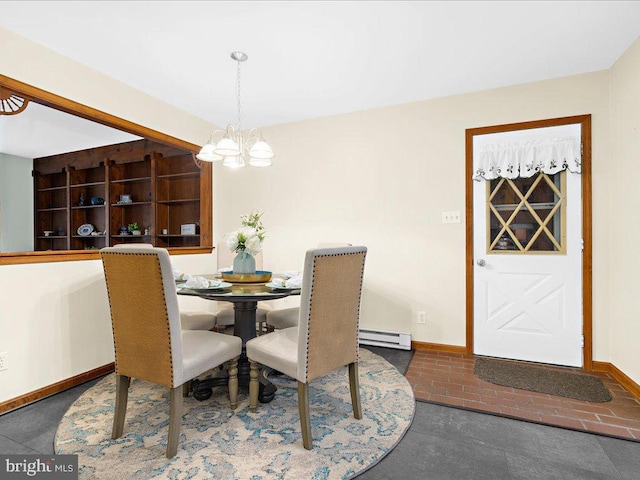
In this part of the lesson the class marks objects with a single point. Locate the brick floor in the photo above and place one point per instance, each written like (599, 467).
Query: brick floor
(448, 379)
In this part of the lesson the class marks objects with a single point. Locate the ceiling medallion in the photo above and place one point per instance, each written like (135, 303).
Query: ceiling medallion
(11, 103)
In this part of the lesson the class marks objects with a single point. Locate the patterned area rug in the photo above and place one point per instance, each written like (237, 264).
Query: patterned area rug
(216, 442)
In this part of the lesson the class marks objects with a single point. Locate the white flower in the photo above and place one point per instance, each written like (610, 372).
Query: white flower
(249, 236)
(232, 241)
(246, 233)
(253, 245)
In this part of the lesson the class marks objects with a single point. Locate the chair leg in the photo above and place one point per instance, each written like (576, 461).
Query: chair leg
(122, 393)
(305, 421)
(175, 420)
(254, 385)
(354, 386)
(186, 388)
(233, 383)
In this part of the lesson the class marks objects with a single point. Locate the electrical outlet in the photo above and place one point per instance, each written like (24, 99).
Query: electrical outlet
(451, 217)
(3, 361)
(422, 317)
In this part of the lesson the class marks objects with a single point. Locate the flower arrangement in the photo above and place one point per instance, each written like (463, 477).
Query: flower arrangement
(249, 237)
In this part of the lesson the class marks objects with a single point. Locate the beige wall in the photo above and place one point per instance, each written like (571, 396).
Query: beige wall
(380, 177)
(623, 281)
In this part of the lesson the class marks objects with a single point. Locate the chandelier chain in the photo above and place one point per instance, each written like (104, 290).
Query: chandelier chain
(238, 95)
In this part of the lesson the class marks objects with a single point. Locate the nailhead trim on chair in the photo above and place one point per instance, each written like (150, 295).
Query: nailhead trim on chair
(163, 297)
(306, 367)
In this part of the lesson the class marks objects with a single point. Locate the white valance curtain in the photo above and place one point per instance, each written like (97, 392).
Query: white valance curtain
(524, 159)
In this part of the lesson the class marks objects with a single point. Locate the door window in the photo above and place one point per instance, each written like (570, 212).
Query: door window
(527, 215)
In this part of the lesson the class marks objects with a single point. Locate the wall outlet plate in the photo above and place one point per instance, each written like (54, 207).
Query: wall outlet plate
(3, 361)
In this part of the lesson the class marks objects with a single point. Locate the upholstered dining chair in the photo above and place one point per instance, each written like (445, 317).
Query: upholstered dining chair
(225, 315)
(148, 339)
(190, 320)
(326, 337)
(280, 318)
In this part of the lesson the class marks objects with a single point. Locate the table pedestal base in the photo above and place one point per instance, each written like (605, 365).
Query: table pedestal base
(245, 328)
(203, 388)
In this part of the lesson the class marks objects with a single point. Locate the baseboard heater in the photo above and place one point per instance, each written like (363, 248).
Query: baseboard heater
(385, 338)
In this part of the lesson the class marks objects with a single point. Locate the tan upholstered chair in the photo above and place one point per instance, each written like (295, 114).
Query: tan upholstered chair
(225, 315)
(149, 342)
(280, 318)
(188, 320)
(326, 337)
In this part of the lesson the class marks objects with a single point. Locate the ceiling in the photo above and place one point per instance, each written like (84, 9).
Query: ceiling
(309, 59)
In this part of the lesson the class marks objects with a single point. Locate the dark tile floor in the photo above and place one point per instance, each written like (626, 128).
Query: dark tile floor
(442, 443)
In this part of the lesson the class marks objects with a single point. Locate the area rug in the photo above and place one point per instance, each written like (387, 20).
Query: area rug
(543, 380)
(216, 442)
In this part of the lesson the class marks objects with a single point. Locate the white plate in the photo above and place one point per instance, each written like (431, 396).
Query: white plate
(222, 286)
(85, 229)
(280, 287)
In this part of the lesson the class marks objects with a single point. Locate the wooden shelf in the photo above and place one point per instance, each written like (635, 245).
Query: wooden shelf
(181, 175)
(53, 209)
(51, 189)
(185, 200)
(132, 180)
(90, 184)
(80, 207)
(130, 204)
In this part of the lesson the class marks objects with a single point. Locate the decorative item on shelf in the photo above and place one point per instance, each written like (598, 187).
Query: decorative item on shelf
(188, 229)
(125, 199)
(134, 229)
(123, 231)
(81, 202)
(48, 233)
(246, 242)
(233, 148)
(85, 229)
(59, 232)
(147, 231)
(97, 201)
(165, 231)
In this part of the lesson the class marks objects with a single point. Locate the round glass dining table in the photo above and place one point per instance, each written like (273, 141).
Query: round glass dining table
(245, 298)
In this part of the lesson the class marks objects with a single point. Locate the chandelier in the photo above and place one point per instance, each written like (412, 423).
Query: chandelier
(232, 148)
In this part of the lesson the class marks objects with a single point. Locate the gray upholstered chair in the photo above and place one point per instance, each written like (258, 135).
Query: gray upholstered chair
(199, 320)
(225, 315)
(326, 337)
(280, 318)
(149, 341)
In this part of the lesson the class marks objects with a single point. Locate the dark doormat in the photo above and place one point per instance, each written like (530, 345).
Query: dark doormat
(542, 380)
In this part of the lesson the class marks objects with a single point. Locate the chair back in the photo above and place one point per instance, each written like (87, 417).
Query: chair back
(144, 313)
(224, 257)
(329, 310)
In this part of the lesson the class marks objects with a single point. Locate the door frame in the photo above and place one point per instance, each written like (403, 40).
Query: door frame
(587, 292)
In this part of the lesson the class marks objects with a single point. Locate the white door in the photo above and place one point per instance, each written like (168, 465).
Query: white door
(528, 262)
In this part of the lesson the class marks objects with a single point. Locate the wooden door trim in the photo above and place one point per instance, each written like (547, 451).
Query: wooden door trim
(587, 226)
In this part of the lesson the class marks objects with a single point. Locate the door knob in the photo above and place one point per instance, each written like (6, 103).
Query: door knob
(481, 263)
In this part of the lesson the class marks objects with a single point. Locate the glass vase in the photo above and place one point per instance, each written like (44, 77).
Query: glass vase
(244, 263)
